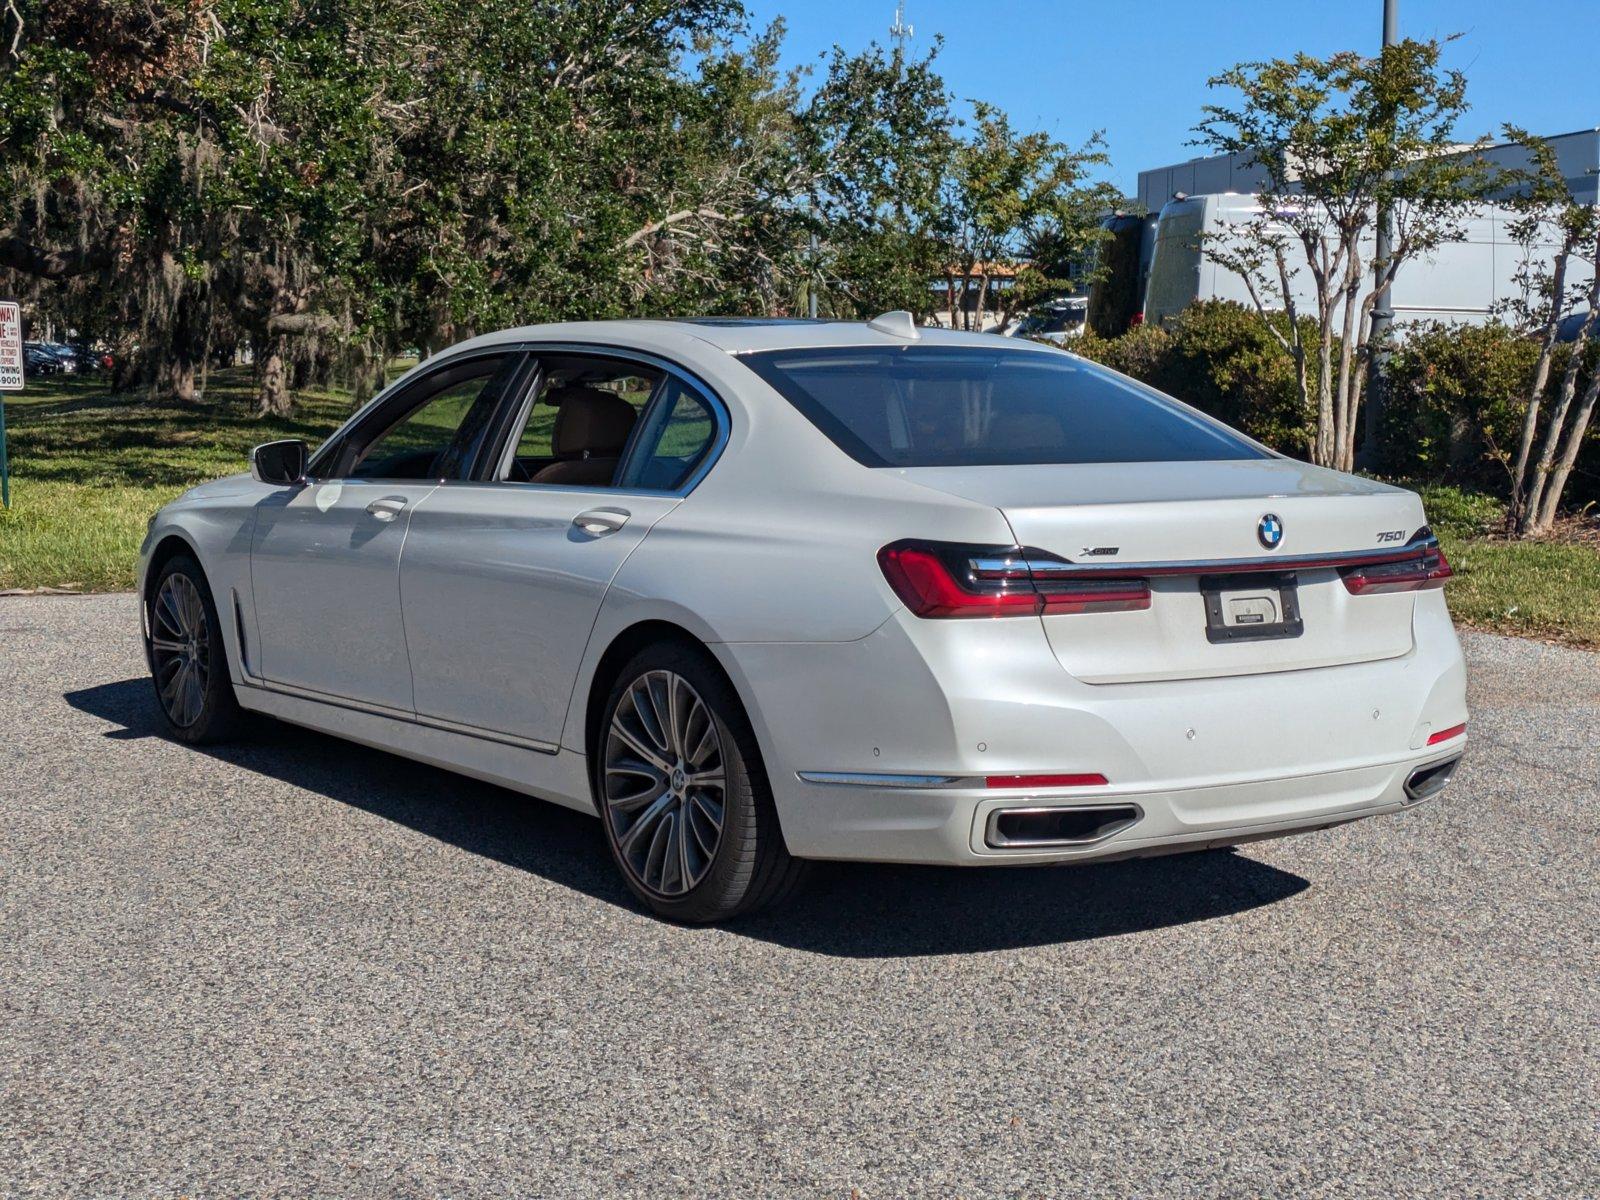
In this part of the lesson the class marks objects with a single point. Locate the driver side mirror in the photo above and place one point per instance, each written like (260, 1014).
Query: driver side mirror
(281, 463)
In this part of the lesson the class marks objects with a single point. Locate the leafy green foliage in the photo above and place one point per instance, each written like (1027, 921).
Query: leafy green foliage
(1223, 359)
(1010, 193)
(1459, 399)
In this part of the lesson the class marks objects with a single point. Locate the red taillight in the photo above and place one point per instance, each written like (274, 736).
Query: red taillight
(1044, 781)
(1444, 735)
(922, 579)
(936, 579)
(1428, 569)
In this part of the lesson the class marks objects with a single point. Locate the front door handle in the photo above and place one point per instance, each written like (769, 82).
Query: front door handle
(597, 522)
(388, 508)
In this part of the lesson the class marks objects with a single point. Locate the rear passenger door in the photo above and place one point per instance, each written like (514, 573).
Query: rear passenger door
(502, 578)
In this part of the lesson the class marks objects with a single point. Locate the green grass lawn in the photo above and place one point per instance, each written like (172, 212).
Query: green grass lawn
(1548, 589)
(88, 469)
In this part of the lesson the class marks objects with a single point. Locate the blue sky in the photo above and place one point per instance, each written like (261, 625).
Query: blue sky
(1139, 71)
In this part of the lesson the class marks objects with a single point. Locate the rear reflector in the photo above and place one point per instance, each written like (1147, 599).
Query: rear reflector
(1444, 735)
(1043, 781)
(1426, 570)
(940, 579)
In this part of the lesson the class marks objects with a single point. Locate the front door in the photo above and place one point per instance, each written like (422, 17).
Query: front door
(325, 555)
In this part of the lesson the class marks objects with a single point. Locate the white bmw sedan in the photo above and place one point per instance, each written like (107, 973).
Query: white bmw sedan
(756, 592)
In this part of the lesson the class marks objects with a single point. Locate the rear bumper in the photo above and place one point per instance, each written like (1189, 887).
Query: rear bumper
(962, 825)
(1216, 760)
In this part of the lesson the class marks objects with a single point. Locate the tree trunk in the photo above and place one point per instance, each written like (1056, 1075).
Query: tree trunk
(275, 398)
(1344, 434)
(1534, 516)
(1324, 452)
(1516, 512)
(175, 376)
(1569, 455)
(175, 369)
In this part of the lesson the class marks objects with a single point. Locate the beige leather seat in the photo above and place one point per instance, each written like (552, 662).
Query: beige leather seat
(590, 431)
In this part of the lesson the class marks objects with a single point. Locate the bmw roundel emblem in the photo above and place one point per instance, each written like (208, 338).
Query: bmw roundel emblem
(1269, 531)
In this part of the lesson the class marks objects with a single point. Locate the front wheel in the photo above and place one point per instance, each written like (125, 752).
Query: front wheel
(187, 661)
(683, 794)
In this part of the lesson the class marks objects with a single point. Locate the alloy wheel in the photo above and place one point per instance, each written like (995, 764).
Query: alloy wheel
(180, 648)
(665, 783)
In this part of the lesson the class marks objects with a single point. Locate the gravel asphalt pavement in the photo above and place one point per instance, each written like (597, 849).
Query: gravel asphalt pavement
(296, 967)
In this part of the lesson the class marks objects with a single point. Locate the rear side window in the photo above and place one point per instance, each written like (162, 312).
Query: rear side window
(679, 432)
(937, 406)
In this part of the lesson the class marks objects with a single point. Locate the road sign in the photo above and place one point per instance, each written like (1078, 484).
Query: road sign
(10, 381)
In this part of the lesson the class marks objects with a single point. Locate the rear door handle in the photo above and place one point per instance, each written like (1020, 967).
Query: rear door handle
(388, 508)
(597, 522)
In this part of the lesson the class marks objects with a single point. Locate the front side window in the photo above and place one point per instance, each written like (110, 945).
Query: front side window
(436, 437)
(935, 406)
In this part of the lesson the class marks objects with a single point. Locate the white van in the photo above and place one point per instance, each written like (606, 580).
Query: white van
(1467, 280)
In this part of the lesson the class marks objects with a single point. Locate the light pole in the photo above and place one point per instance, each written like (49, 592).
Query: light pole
(1382, 310)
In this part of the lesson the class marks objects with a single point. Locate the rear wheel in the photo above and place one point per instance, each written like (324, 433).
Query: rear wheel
(683, 794)
(187, 661)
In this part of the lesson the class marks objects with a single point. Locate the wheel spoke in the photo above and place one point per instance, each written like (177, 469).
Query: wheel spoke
(169, 689)
(655, 859)
(650, 816)
(697, 756)
(651, 720)
(701, 813)
(649, 754)
(632, 801)
(194, 694)
(167, 609)
(680, 832)
(674, 730)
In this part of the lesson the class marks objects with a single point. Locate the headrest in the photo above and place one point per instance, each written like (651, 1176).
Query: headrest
(590, 423)
(1025, 431)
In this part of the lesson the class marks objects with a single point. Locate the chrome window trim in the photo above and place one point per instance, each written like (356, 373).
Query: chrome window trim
(713, 399)
(428, 366)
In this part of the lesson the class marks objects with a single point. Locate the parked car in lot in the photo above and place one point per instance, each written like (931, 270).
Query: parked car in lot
(75, 358)
(757, 592)
(1053, 322)
(39, 359)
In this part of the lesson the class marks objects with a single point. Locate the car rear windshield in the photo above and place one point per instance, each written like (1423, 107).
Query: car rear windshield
(939, 406)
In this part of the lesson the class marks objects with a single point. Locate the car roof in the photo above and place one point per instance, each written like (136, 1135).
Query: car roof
(745, 335)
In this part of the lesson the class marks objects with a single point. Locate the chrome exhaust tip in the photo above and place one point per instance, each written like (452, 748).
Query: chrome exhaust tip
(1429, 781)
(1083, 825)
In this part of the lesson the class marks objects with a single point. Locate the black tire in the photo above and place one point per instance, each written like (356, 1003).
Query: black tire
(750, 867)
(217, 716)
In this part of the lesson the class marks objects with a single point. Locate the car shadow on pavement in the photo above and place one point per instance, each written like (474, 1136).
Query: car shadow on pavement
(853, 910)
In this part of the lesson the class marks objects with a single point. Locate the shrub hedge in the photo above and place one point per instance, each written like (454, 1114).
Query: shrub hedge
(1455, 408)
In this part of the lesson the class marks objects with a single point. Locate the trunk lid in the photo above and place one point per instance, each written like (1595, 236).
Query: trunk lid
(1189, 519)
